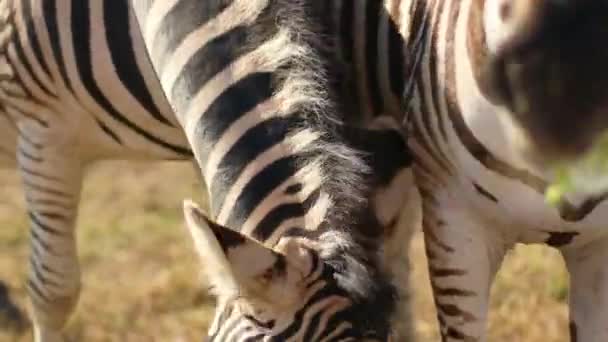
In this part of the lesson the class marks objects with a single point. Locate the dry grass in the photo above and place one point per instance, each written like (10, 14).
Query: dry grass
(140, 277)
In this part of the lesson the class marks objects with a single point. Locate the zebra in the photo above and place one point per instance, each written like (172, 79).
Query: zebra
(489, 79)
(283, 165)
(327, 260)
(298, 289)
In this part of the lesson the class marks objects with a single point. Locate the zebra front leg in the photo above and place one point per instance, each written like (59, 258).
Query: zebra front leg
(463, 258)
(52, 180)
(588, 291)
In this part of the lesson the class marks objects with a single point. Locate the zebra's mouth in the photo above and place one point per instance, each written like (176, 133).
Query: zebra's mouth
(555, 85)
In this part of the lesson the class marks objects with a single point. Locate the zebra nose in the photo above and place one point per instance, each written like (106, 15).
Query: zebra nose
(549, 73)
(516, 24)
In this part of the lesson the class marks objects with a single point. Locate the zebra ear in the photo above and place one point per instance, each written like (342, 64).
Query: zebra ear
(232, 261)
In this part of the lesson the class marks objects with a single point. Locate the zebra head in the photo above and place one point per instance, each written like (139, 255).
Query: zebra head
(289, 293)
(544, 63)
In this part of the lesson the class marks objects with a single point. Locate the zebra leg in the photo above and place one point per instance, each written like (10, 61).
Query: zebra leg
(52, 178)
(463, 258)
(588, 291)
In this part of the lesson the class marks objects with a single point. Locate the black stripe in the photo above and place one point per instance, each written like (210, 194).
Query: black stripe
(298, 318)
(24, 137)
(39, 175)
(347, 29)
(38, 274)
(185, 17)
(313, 325)
(458, 335)
(560, 239)
(259, 187)
(434, 75)
(434, 141)
(43, 226)
(281, 213)
(32, 287)
(50, 14)
(485, 193)
(422, 125)
(48, 203)
(207, 62)
(81, 37)
(396, 59)
(223, 329)
(116, 22)
(48, 270)
(234, 102)
(27, 155)
(266, 325)
(253, 143)
(40, 188)
(453, 292)
(333, 323)
(28, 69)
(53, 216)
(372, 17)
(437, 272)
(33, 37)
(108, 131)
(33, 44)
(419, 15)
(40, 241)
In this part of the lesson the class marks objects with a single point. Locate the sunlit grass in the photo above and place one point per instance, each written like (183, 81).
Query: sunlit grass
(141, 278)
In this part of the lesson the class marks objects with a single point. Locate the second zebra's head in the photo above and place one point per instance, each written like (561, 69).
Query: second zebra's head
(545, 63)
(289, 293)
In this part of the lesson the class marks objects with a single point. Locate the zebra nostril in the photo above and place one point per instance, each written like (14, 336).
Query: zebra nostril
(505, 11)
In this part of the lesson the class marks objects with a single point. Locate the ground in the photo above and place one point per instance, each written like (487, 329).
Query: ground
(141, 279)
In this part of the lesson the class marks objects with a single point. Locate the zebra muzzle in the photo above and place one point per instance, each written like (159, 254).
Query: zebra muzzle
(551, 77)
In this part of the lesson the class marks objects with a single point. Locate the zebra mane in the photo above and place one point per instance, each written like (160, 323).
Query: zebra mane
(344, 239)
(357, 271)
(293, 48)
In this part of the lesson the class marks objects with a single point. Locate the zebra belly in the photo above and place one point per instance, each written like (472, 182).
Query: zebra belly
(522, 213)
(499, 186)
(510, 200)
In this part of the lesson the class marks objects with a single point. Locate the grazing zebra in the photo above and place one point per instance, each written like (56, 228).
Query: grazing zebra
(77, 86)
(309, 285)
(319, 273)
